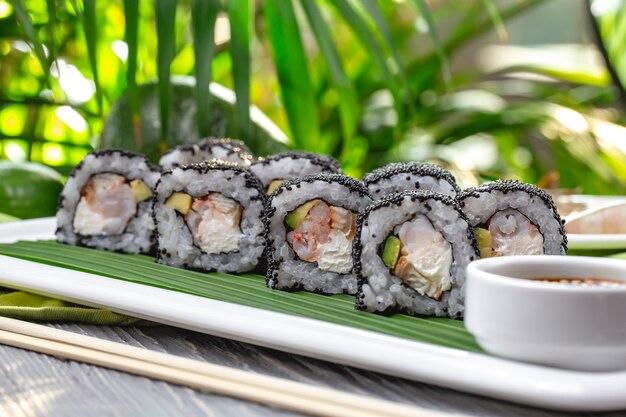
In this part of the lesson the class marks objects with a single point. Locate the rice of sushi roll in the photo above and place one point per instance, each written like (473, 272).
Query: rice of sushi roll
(410, 254)
(209, 217)
(513, 218)
(275, 169)
(407, 176)
(106, 203)
(310, 225)
(230, 150)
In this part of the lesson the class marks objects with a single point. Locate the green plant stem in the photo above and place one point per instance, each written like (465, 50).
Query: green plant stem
(368, 39)
(52, 22)
(293, 73)
(381, 24)
(203, 16)
(165, 25)
(348, 104)
(434, 35)
(131, 15)
(90, 26)
(240, 15)
(498, 23)
(470, 32)
(24, 18)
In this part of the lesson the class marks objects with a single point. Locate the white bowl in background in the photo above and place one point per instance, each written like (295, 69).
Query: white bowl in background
(562, 325)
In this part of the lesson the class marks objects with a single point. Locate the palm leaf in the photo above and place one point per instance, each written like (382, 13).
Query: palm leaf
(293, 73)
(348, 105)
(240, 16)
(131, 15)
(165, 25)
(203, 16)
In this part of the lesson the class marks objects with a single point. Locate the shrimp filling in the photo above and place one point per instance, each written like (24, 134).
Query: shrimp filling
(106, 206)
(513, 234)
(322, 233)
(214, 223)
(418, 254)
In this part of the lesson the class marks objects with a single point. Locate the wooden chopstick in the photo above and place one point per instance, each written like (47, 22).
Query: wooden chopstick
(200, 375)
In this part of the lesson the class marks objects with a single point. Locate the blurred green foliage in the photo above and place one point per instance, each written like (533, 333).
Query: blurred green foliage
(609, 19)
(367, 81)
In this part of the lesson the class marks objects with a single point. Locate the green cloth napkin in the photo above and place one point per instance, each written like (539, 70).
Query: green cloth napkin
(26, 306)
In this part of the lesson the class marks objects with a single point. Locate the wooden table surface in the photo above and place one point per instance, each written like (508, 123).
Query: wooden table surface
(33, 384)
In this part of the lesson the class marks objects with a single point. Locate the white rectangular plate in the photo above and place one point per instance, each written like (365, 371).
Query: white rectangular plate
(593, 241)
(471, 372)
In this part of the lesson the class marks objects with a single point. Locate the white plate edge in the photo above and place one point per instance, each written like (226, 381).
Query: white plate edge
(481, 374)
(596, 241)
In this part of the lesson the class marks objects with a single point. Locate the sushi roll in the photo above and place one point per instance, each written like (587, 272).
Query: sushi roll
(407, 176)
(106, 203)
(275, 169)
(410, 254)
(310, 225)
(513, 218)
(208, 217)
(206, 150)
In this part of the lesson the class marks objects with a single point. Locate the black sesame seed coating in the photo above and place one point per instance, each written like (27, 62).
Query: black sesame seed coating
(397, 199)
(60, 203)
(271, 263)
(81, 241)
(216, 164)
(233, 146)
(207, 143)
(507, 186)
(325, 161)
(226, 142)
(415, 168)
(251, 181)
(122, 154)
(84, 241)
(349, 182)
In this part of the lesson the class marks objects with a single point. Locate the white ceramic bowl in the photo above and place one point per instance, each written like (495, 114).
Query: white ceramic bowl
(544, 322)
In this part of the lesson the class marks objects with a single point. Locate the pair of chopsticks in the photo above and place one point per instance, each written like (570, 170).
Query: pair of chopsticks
(272, 391)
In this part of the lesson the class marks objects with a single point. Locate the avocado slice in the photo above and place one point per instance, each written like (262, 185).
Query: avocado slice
(391, 251)
(273, 186)
(297, 216)
(140, 190)
(483, 237)
(180, 202)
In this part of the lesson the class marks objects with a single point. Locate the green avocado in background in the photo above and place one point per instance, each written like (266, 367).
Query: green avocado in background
(5, 218)
(28, 190)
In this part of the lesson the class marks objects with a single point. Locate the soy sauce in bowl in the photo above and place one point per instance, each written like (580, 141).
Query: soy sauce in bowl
(563, 311)
(584, 282)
